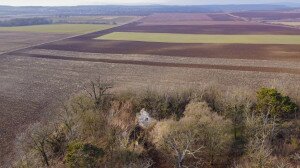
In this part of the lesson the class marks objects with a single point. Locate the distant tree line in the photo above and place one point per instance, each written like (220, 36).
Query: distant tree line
(134, 10)
(25, 22)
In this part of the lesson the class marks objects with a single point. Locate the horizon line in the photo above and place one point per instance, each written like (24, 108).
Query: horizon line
(215, 4)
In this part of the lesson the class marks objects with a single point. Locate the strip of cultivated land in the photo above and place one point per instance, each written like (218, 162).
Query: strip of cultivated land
(157, 61)
(14, 40)
(59, 28)
(166, 59)
(202, 38)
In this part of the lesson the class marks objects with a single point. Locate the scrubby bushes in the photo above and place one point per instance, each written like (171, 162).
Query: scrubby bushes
(201, 138)
(205, 128)
(163, 105)
(273, 103)
(82, 155)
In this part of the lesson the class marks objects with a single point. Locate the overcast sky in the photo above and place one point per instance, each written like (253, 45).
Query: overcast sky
(133, 2)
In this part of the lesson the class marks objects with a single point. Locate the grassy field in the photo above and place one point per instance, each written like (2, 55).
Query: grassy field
(288, 23)
(202, 38)
(59, 28)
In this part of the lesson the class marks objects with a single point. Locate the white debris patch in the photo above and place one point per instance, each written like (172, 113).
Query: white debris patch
(144, 119)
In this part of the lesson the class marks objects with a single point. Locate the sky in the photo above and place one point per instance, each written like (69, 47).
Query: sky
(130, 2)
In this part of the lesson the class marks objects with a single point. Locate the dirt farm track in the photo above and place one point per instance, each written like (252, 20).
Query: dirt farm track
(36, 76)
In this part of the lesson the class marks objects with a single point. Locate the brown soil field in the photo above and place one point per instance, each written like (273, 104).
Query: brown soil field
(185, 18)
(216, 29)
(188, 23)
(268, 15)
(14, 40)
(221, 17)
(167, 64)
(167, 59)
(175, 18)
(233, 51)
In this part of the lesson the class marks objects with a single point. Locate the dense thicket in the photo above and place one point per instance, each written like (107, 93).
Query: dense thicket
(195, 128)
(25, 22)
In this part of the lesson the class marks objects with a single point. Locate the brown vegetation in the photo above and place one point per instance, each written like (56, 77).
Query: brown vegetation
(193, 128)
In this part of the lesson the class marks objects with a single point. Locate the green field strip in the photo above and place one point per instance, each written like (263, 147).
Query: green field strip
(58, 28)
(202, 38)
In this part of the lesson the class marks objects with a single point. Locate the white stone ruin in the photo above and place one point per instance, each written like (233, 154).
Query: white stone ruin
(144, 119)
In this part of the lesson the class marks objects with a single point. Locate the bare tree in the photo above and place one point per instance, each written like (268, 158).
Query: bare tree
(200, 134)
(259, 131)
(36, 138)
(98, 90)
(182, 143)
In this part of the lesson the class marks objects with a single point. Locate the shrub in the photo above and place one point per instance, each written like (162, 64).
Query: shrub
(260, 130)
(162, 106)
(273, 103)
(82, 155)
(201, 134)
(99, 91)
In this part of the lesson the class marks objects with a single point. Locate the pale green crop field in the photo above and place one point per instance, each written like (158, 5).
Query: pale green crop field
(59, 28)
(202, 38)
(288, 23)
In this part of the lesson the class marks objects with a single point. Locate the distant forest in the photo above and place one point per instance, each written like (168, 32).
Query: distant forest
(25, 22)
(134, 10)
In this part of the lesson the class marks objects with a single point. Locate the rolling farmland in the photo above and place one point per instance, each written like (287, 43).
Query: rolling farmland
(161, 51)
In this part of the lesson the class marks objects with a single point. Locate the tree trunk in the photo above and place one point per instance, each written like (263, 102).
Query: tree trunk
(179, 162)
(45, 157)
